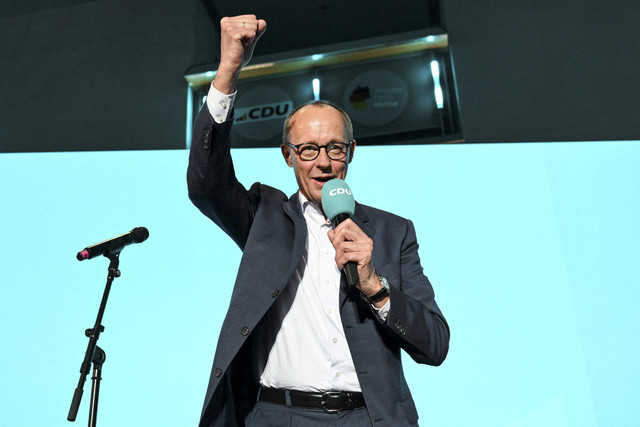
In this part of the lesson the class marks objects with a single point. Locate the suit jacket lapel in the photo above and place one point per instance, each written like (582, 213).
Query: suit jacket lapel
(361, 219)
(293, 210)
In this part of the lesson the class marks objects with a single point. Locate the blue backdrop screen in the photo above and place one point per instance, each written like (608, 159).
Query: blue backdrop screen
(532, 250)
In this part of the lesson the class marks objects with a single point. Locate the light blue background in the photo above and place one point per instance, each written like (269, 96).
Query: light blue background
(532, 250)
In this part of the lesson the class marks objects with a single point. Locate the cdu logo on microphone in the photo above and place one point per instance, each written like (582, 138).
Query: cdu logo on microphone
(336, 191)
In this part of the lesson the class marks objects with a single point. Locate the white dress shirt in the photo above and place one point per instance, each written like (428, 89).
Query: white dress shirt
(311, 352)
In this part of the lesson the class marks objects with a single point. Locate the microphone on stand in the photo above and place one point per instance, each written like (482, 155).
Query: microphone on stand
(115, 245)
(338, 205)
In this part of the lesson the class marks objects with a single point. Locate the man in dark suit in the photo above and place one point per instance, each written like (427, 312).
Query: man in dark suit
(298, 346)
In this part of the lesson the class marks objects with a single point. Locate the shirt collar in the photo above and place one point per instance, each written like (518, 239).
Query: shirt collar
(311, 210)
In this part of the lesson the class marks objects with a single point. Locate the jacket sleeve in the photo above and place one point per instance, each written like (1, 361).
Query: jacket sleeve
(415, 321)
(211, 179)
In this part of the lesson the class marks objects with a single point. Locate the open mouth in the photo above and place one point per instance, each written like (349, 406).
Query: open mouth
(323, 179)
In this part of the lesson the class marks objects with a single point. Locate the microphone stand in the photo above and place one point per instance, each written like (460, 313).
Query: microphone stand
(94, 354)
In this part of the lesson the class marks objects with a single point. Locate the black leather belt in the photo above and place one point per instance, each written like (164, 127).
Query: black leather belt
(330, 401)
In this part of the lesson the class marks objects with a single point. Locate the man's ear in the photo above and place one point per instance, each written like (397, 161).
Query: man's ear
(286, 153)
(352, 148)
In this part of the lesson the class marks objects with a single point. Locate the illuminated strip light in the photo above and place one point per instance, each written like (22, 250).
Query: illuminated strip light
(189, 117)
(437, 88)
(316, 89)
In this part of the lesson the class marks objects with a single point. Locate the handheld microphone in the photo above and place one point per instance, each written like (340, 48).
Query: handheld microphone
(338, 205)
(115, 245)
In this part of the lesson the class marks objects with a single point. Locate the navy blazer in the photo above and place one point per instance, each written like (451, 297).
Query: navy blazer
(271, 231)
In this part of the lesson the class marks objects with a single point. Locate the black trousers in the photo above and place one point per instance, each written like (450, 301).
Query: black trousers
(265, 414)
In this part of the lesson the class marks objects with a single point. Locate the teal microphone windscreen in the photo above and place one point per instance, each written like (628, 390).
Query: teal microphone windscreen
(337, 199)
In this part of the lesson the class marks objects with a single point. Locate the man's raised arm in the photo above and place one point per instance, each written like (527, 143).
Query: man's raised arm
(211, 179)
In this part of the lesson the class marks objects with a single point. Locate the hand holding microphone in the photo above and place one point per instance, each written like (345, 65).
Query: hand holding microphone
(353, 246)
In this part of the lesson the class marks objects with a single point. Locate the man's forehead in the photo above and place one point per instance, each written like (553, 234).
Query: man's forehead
(318, 112)
(311, 109)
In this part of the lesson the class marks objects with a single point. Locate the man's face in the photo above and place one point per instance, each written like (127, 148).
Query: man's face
(321, 125)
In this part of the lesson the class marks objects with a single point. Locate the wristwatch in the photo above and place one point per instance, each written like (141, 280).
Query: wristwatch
(378, 296)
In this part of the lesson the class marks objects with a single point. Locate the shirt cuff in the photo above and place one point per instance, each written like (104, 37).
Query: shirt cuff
(383, 311)
(219, 104)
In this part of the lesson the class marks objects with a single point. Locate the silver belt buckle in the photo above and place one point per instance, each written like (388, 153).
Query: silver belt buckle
(325, 399)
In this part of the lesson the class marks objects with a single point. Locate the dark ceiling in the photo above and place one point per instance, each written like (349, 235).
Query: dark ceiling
(109, 74)
(315, 23)
(27, 7)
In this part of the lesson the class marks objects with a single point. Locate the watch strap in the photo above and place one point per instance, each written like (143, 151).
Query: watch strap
(378, 296)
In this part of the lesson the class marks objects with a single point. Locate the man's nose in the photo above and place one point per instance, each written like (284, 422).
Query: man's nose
(323, 158)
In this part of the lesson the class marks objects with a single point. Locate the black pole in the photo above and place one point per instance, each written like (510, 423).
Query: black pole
(98, 359)
(92, 348)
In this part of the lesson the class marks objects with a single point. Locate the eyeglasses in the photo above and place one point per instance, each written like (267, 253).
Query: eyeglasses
(311, 150)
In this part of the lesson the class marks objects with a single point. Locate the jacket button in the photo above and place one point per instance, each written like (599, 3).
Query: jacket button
(400, 329)
(275, 293)
(244, 331)
(218, 372)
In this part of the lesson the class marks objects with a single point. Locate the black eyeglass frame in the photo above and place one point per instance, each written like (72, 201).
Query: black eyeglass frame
(326, 149)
